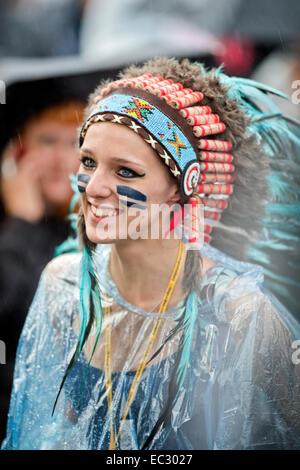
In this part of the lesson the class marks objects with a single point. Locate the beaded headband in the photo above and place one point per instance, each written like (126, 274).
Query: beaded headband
(169, 118)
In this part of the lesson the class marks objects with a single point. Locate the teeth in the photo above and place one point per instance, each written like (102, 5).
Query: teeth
(103, 212)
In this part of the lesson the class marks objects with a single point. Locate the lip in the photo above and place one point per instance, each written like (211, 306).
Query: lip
(103, 206)
(96, 219)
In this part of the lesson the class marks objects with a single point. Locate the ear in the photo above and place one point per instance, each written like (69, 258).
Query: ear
(175, 195)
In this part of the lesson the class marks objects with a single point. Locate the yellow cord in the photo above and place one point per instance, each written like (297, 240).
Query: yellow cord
(142, 365)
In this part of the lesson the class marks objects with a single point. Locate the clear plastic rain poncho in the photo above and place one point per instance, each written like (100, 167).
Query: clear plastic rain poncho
(241, 390)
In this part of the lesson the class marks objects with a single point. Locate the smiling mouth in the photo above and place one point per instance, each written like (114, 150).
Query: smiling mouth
(104, 212)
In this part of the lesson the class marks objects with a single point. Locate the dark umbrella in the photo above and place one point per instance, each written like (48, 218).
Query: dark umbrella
(33, 85)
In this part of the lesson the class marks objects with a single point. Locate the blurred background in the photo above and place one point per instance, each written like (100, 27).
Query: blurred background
(53, 53)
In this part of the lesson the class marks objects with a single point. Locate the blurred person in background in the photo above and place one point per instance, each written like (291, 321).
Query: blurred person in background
(36, 194)
(36, 164)
(35, 28)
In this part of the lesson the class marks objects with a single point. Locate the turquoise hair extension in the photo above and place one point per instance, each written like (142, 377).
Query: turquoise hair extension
(98, 317)
(190, 317)
(90, 300)
(85, 289)
(88, 293)
(90, 312)
(74, 186)
(71, 244)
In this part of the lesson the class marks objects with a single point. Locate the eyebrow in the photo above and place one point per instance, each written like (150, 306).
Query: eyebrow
(116, 159)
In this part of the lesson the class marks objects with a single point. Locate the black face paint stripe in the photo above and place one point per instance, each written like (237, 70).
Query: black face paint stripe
(135, 205)
(81, 189)
(130, 192)
(83, 178)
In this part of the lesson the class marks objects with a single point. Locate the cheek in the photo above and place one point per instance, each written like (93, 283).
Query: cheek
(82, 181)
(159, 193)
(131, 197)
(161, 185)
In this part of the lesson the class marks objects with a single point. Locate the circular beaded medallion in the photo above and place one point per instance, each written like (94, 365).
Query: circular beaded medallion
(190, 178)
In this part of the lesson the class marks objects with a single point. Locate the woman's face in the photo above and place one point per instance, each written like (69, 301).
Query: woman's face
(54, 143)
(117, 165)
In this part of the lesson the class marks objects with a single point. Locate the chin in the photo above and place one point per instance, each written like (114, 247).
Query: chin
(93, 237)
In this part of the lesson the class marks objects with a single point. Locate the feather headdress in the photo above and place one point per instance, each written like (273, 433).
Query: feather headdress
(277, 245)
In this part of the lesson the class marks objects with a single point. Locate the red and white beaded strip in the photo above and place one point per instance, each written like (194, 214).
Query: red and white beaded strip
(194, 110)
(200, 119)
(216, 145)
(216, 157)
(216, 178)
(186, 100)
(214, 203)
(135, 83)
(209, 129)
(177, 94)
(213, 215)
(217, 167)
(161, 89)
(211, 188)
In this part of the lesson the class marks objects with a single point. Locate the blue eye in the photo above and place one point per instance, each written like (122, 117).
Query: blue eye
(88, 162)
(127, 173)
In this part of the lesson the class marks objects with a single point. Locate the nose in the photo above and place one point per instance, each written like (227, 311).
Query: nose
(99, 185)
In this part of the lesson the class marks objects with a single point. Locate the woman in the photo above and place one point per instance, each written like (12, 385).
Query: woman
(163, 342)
